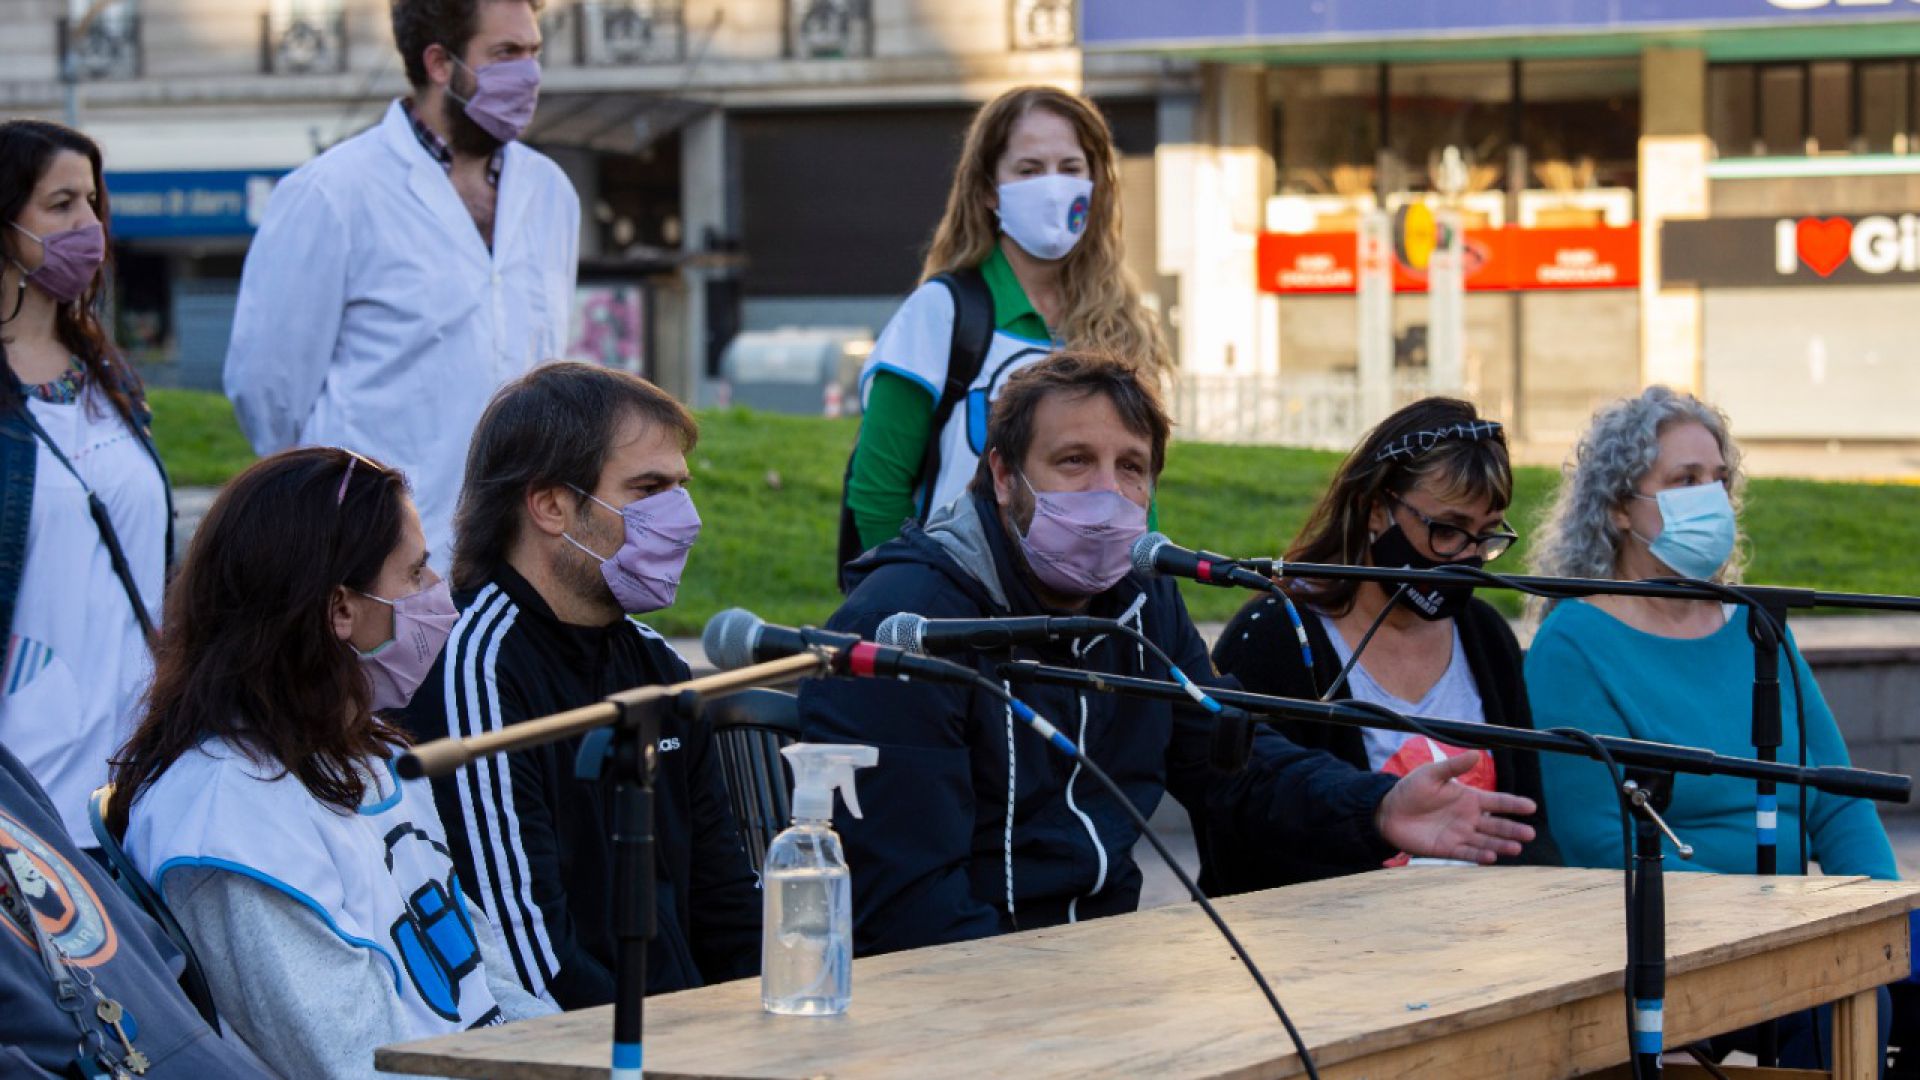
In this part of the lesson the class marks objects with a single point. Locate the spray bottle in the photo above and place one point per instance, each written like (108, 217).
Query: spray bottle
(806, 950)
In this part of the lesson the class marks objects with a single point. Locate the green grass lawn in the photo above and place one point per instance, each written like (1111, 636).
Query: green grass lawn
(768, 488)
(198, 437)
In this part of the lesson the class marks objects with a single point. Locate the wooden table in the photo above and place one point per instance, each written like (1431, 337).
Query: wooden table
(1421, 972)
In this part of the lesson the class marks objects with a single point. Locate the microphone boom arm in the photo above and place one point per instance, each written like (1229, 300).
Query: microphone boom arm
(1882, 787)
(442, 756)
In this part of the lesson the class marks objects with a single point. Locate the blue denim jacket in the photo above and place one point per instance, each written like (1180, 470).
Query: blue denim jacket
(19, 455)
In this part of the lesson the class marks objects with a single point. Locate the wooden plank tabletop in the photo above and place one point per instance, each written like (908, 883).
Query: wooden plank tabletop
(1368, 967)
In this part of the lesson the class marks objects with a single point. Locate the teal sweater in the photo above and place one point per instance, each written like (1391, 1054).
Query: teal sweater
(1587, 669)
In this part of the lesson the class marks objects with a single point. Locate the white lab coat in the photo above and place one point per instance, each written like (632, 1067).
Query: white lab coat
(372, 316)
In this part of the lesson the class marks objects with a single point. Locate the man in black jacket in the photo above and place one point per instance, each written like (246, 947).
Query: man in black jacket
(573, 514)
(973, 827)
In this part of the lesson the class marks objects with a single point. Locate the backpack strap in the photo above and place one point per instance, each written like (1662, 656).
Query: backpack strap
(966, 354)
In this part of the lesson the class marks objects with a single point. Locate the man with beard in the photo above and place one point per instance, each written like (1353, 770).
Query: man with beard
(574, 516)
(404, 275)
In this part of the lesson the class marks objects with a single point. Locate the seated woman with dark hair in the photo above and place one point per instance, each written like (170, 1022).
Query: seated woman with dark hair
(258, 793)
(1428, 487)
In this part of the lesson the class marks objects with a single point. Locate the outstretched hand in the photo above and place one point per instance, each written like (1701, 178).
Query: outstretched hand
(1430, 813)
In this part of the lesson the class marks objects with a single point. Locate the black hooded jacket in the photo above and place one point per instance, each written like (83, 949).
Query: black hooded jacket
(973, 825)
(537, 841)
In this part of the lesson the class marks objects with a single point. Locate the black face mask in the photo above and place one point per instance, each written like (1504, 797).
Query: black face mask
(1392, 550)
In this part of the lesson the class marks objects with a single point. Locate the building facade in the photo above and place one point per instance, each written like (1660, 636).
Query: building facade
(743, 164)
(1713, 194)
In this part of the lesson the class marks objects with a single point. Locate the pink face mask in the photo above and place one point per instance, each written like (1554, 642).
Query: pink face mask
(660, 530)
(69, 260)
(1080, 543)
(504, 97)
(421, 623)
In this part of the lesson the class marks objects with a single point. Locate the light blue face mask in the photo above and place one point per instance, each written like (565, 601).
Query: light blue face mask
(1697, 529)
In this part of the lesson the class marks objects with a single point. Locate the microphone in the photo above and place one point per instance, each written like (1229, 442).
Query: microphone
(736, 638)
(1156, 556)
(919, 634)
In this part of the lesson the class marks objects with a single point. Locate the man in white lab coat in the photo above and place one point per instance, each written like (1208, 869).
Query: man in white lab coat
(403, 276)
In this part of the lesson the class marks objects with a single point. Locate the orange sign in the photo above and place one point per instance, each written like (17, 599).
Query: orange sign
(1497, 260)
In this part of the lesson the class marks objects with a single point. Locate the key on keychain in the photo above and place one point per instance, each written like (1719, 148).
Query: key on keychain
(110, 1013)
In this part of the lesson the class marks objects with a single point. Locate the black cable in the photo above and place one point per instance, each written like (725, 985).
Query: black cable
(1626, 848)
(1354, 660)
(1299, 628)
(1626, 836)
(1193, 889)
(1756, 612)
(1701, 1059)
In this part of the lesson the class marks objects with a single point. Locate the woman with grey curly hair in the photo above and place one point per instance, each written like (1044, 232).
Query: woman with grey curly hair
(1585, 531)
(1653, 490)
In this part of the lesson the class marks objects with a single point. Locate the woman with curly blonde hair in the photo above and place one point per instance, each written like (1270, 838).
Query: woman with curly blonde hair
(1027, 258)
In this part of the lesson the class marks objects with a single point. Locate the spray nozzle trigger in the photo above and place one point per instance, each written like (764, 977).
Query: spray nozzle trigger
(819, 768)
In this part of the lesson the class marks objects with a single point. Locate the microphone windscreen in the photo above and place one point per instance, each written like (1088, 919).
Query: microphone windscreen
(900, 631)
(728, 638)
(1143, 550)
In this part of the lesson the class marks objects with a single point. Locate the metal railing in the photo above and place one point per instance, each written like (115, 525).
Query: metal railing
(1042, 24)
(103, 46)
(824, 29)
(1319, 409)
(302, 42)
(643, 32)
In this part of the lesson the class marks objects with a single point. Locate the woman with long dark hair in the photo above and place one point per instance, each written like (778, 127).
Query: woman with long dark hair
(85, 511)
(258, 793)
(1429, 486)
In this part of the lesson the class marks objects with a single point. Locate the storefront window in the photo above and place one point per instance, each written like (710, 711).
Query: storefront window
(1434, 106)
(1580, 123)
(1730, 111)
(1823, 107)
(1885, 108)
(1326, 129)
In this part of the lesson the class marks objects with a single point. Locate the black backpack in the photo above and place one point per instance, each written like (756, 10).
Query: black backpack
(966, 352)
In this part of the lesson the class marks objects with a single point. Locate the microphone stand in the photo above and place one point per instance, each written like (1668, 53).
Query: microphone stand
(622, 741)
(1648, 787)
(1766, 628)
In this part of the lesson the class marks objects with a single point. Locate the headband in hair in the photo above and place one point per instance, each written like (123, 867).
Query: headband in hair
(1415, 443)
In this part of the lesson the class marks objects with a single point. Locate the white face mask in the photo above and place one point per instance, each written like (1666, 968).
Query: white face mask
(1046, 215)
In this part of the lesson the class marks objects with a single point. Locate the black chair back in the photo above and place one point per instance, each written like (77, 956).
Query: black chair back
(750, 728)
(120, 867)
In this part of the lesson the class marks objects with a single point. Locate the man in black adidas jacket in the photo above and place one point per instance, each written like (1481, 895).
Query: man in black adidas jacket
(973, 826)
(555, 480)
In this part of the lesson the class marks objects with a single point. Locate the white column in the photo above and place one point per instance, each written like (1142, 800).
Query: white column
(706, 207)
(1674, 151)
(1673, 184)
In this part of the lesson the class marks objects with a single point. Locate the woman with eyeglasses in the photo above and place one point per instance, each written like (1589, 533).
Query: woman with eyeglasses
(259, 793)
(1429, 486)
(1653, 489)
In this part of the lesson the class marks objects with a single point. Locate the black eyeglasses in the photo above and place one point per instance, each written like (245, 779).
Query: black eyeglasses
(1451, 541)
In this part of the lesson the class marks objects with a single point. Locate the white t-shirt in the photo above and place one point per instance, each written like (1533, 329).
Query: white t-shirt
(1453, 697)
(76, 662)
(916, 345)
